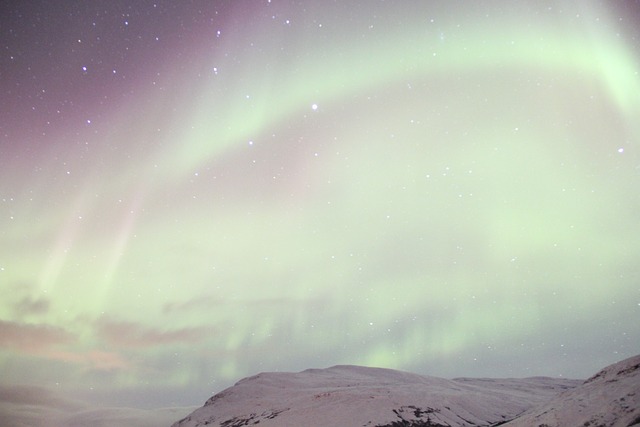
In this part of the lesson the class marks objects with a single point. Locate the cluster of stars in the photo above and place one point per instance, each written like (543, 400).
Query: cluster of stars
(393, 186)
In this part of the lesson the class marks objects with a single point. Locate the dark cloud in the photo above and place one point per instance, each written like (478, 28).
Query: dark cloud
(20, 300)
(30, 306)
(129, 335)
(32, 338)
(206, 302)
(95, 359)
(197, 303)
(46, 341)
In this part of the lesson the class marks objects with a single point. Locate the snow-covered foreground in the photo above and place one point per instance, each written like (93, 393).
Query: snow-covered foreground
(357, 396)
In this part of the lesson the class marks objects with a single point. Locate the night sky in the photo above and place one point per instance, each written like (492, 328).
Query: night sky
(192, 192)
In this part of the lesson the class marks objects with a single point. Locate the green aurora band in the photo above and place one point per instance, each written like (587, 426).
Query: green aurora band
(452, 198)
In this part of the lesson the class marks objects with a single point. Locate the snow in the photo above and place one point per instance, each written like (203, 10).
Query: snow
(373, 397)
(610, 398)
(360, 396)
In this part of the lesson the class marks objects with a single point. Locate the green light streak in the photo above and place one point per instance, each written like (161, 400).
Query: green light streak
(228, 121)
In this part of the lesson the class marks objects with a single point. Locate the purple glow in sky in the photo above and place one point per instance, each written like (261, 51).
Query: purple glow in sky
(192, 192)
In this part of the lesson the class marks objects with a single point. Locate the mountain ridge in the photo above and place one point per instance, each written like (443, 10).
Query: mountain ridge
(358, 396)
(609, 398)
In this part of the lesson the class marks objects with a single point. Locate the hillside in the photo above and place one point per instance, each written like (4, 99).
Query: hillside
(373, 397)
(359, 396)
(610, 398)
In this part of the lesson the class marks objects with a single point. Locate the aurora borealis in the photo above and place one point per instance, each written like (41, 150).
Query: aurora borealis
(193, 192)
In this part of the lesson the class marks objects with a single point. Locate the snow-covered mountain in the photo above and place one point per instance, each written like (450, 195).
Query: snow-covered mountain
(357, 396)
(610, 398)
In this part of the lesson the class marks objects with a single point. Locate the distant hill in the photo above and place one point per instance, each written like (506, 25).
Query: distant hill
(357, 396)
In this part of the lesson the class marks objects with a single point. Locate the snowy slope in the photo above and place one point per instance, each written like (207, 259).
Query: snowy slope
(357, 396)
(611, 398)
